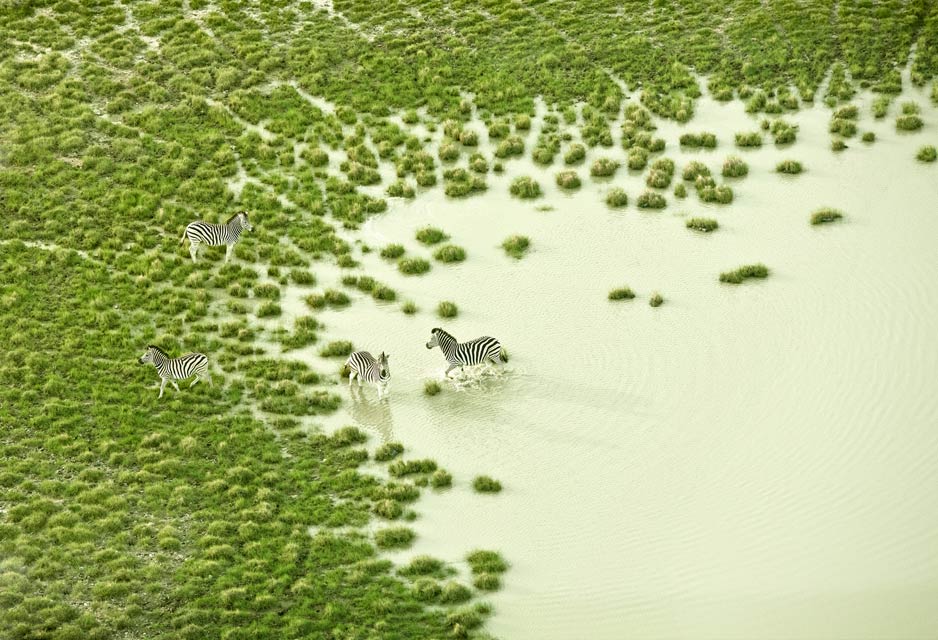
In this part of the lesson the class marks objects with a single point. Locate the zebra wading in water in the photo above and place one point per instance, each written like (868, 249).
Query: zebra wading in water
(172, 369)
(364, 365)
(215, 235)
(459, 354)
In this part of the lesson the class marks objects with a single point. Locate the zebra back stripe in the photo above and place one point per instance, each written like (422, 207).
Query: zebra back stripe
(470, 352)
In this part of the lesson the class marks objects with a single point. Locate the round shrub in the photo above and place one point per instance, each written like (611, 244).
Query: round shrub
(651, 200)
(735, 167)
(485, 484)
(525, 187)
(621, 293)
(450, 253)
(568, 180)
(392, 251)
(603, 167)
(928, 153)
(680, 191)
(909, 122)
(695, 169)
(575, 153)
(447, 309)
(791, 167)
(516, 246)
(430, 235)
(413, 266)
(617, 198)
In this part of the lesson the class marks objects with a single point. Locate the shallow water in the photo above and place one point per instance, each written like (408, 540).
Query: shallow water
(749, 461)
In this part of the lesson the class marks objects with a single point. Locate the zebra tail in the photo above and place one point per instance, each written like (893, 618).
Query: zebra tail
(182, 240)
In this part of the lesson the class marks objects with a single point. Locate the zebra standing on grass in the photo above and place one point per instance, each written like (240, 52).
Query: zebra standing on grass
(214, 235)
(172, 369)
(366, 367)
(459, 354)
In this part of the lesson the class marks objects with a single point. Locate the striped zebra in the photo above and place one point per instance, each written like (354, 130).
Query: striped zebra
(459, 354)
(214, 235)
(172, 369)
(364, 365)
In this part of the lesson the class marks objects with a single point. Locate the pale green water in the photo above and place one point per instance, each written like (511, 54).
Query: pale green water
(752, 461)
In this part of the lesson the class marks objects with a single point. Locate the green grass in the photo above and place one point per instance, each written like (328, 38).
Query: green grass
(431, 235)
(734, 167)
(409, 307)
(336, 349)
(483, 561)
(525, 187)
(695, 169)
(826, 215)
(568, 180)
(394, 538)
(575, 154)
(680, 191)
(909, 122)
(413, 266)
(516, 246)
(450, 253)
(440, 479)
(838, 145)
(651, 200)
(702, 224)
(745, 272)
(392, 251)
(617, 198)
(749, 139)
(928, 153)
(621, 293)
(719, 194)
(603, 168)
(447, 309)
(431, 387)
(656, 300)
(791, 167)
(698, 140)
(485, 484)
(388, 451)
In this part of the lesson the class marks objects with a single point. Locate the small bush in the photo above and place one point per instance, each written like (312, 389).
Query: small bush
(388, 451)
(450, 253)
(838, 145)
(481, 561)
(928, 153)
(394, 538)
(696, 140)
(268, 310)
(747, 271)
(638, 158)
(651, 200)
(409, 308)
(431, 387)
(516, 246)
(509, 147)
(383, 293)
(487, 582)
(735, 167)
(825, 216)
(680, 191)
(485, 484)
(568, 180)
(702, 224)
(413, 266)
(868, 136)
(622, 293)
(617, 198)
(447, 309)
(694, 170)
(575, 153)
(441, 479)
(400, 189)
(392, 251)
(603, 167)
(525, 187)
(749, 139)
(791, 167)
(302, 277)
(431, 235)
(909, 123)
(656, 300)
(336, 349)
(721, 194)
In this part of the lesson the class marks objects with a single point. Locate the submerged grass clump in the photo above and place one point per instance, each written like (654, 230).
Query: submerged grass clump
(745, 272)
(735, 167)
(447, 309)
(694, 170)
(702, 224)
(791, 167)
(656, 300)
(909, 122)
(388, 451)
(617, 197)
(392, 251)
(525, 187)
(516, 246)
(575, 154)
(568, 180)
(413, 266)
(486, 484)
(603, 167)
(826, 215)
(431, 235)
(621, 293)
(431, 387)
(394, 538)
(336, 349)
(651, 200)
(749, 139)
(719, 194)
(928, 153)
(697, 140)
(450, 253)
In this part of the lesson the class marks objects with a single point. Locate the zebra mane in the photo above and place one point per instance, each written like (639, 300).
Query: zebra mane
(156, 348)
(438, 330)
(233, 217)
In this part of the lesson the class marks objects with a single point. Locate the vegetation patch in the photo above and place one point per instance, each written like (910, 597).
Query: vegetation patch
(651, 200)
(656, 300)
(617, 198)
(525, 187)
(486, 484)
(928, 153)
(735, 167)
(450, 253)
(447, 309)
(568, 180)
(705, 225)
(516, 246)
(826, 215)
(431, 387)
(413, 266)
(745, 272)
(431, 235)
(621, 293)
(791, 167)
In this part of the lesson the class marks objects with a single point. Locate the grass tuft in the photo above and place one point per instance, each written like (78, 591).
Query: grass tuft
(745, 272)
(791, 167)
(735, 167)
(431, 387)
(486, 484)
(702, 224)
(621, 293)
(413, 266)
(431, 235)
(826, 216)
(447, 309)
(928, 153)
(656, 299)
(617, 198)
(525, 187)
(336, 349)
(516, 246)
(568, 179)
(394, 538)
(450, 253)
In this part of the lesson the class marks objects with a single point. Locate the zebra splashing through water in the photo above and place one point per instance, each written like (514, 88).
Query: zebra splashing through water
(459, 354)
(172, 369)
(366, 367)
(214, 235)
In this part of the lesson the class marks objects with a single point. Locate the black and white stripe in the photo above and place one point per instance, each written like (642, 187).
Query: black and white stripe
(366, 367)
(459, 354)
(214, 235)
(172, 369)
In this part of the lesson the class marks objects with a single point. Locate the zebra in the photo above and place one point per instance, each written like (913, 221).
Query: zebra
(459, 354)
(172, 369)
(214, 235)
(364, 365)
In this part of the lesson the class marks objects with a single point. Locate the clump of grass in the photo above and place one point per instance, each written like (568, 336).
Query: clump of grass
(841, 127)
(928, 153)
(383, 293)
(575, 153)
(486, 484)
(568, 180)
(402, 468)
(735, 167)
(447, 309)
(651, 200)
(720, 194)
(268, 310)
(603, 167)
(400, 189)
(409, 307)
(525, 187)
(745, 272)
(431, 235)
(478, 163)
(336, 348)
(509, 147)
(826, 215)
(621, 293)
(431, 387)
(791, 167)
(694, 170)
(441, 479)
(454, 593)
(449, 253)
(423, 566)
(388, 451)
(680, 191)
(482, 561)
(909, 122)
(749, 139)
(697, 140)
(413, 266)
(516, 246)
(880, 106)
(656, 299)
(637, 158)
(394, 538)
(910, 108)
(617, 198)
(426, 590)
(702, 224)
(868, 136)
(487, 582)
(392, 251)
(838, 145)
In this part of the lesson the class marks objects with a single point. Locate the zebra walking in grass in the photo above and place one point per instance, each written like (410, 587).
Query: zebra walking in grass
(214, 235)
(364, 365)
(459, 354)
(172, 369)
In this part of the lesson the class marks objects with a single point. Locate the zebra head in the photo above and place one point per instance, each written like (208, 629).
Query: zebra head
(147, 355)
(243, 217)
(434, 338)
(383, 371)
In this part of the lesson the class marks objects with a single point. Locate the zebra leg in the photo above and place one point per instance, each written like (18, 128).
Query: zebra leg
(496, 358)
(175, 386)
(193, 249)
(228, 252)
(162, 386)
(194, 381)
(449, 368)
(351, 376)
